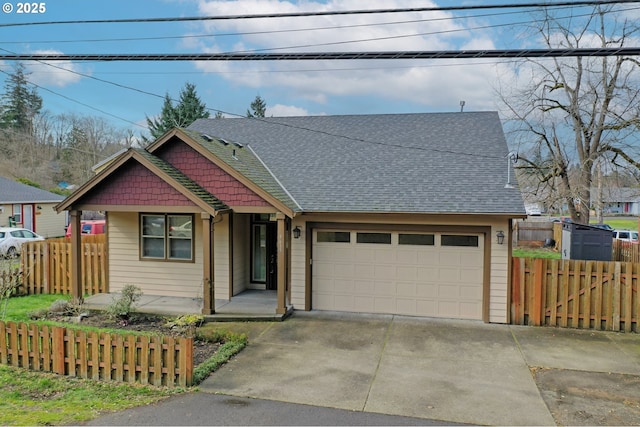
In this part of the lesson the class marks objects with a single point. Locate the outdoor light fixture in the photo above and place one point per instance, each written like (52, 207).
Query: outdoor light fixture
(296, 232)
(500, 236)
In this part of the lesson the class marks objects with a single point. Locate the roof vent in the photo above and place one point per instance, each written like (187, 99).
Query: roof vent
(224, 141)
(234, 154)
(237, 144)
(207, 137)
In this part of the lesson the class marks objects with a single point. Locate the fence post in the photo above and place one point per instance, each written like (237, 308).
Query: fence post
(538, 275)
(515, 291)
(58, 350)
(47, 263)
(616, 301)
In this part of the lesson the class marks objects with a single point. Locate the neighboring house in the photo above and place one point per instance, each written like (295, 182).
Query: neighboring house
(25, 206)
(620, 200)
(396, 213)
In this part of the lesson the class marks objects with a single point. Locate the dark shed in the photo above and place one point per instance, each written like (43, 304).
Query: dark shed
(581, 241)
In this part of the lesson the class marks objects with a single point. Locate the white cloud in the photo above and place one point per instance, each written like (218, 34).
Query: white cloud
(433, 84)
(57, 73)
(280, 110)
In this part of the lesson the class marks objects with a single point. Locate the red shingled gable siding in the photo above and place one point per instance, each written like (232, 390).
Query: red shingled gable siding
(135, 185)
(208, 175)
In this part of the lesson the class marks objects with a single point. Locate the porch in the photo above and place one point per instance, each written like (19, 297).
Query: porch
(250, 305)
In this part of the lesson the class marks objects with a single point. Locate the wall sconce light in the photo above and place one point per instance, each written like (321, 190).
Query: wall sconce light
(39, 208)
(500, 236)
(296, 232)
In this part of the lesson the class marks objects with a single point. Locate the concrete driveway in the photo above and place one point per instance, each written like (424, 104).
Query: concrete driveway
(460, 371)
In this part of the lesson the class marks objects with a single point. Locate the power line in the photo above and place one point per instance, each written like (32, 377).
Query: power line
(77, 102)
(322, 56)
(328, 13)
(290, 30)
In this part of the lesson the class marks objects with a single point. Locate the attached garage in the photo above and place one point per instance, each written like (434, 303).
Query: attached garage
(434, 273)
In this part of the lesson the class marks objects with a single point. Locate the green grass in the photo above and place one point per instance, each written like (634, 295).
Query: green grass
(536, 253)
(18, 308)
(623, 223)
(38, 398)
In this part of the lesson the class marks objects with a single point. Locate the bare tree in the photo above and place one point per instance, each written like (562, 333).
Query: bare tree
(576, 113)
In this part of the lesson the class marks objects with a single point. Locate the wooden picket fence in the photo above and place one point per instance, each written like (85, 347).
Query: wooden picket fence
(577, 294)
(625, 251)
(156, 360)
(46, 266)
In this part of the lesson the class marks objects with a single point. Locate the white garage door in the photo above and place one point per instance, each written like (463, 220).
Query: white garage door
(409, 273)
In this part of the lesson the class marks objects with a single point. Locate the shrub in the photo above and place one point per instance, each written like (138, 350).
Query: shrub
(122, 307)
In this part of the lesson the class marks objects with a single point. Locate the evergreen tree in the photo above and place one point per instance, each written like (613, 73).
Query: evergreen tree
(258, 108)
(20, 104)
(186, 111)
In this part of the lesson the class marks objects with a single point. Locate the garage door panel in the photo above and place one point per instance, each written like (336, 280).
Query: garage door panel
(426, 307)
(427, 290)
(343, 270)
(448, 291)
(406, 273)
(364, 255)
(384, 305)
(411, 279)
(385, 272)
(364, 287)
(363, 304)
(365, 271)
(406, 289)
(428, 258)
(387, 256)
(406, 306)
(384, 288)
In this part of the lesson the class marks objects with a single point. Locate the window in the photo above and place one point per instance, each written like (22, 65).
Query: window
(416, 239)
(17, 214)
(334, 237)
(167, 237)
(459, 240)
(381, 238)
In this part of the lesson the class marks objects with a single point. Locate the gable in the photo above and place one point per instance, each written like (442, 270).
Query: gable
(208, 175)
(135, 185)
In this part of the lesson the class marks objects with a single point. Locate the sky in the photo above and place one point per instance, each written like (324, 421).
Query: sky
(127, 92)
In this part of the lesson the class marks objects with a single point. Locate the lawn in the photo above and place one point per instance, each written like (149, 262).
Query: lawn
(38, 398)
(623, 223)
(536, 253)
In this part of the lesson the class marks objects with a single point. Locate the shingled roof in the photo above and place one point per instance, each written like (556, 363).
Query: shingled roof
(245, 161)
(427, 163)
(13, 192)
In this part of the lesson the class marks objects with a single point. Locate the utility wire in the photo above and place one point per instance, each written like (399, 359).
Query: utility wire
(317, 56)
(77, 102)
(290, 30)
(328, 13)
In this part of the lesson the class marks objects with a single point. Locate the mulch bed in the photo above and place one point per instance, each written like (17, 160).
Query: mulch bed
(142, 322)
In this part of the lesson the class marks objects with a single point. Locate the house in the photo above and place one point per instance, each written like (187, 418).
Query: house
(624, 201)
(29, 207)
(401, 213)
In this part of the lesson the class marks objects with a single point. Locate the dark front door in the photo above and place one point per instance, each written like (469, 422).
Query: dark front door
(264, 253)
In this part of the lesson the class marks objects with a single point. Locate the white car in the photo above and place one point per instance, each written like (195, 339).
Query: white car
(626, 235)
(11, 240)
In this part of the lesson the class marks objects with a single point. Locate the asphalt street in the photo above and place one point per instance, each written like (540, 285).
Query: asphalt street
(206, 409)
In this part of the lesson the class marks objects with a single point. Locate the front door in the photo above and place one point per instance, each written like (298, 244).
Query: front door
(264, 253)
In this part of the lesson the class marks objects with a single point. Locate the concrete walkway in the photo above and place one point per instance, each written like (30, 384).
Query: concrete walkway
(457, 371)
(254, 305)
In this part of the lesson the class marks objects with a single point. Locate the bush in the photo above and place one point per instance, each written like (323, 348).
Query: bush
(122, 307)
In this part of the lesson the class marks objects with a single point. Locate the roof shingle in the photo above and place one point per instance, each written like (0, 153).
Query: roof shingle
(427, 163)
